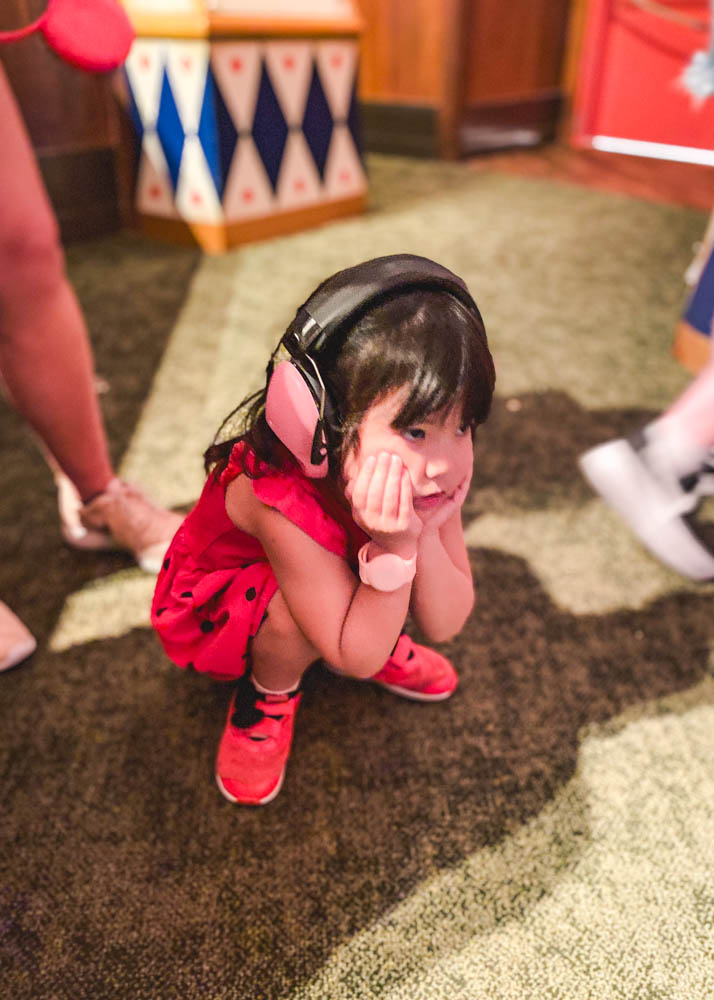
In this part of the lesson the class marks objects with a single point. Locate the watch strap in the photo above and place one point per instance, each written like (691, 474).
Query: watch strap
(385, 571)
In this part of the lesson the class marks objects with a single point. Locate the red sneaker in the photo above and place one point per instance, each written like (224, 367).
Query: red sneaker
(255, 744)
(417, 672)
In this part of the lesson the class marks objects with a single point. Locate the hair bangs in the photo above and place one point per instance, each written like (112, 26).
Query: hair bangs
(445, 364)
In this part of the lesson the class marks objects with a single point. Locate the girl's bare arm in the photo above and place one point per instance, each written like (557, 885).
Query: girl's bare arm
(354, 626)
(443, 590)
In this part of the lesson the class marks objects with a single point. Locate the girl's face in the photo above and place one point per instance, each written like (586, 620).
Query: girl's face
(437, 452)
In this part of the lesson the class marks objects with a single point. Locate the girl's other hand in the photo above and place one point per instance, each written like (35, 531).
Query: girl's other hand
(434, 521)
(381, 499)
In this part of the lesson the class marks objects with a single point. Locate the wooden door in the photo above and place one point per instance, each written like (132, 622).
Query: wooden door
(451, 77)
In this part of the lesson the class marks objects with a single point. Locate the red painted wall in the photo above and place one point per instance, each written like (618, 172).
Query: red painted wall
(631, 62)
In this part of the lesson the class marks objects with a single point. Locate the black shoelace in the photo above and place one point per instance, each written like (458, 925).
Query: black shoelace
(245, 711)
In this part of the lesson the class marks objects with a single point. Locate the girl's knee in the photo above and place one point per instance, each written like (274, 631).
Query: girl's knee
(279, 626)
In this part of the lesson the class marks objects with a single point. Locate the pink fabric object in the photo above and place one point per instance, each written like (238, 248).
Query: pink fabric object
(216, 582)
(94, 35)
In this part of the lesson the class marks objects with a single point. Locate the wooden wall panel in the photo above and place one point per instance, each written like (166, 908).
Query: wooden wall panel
(403, 53)
(452, 77)
(515, 50)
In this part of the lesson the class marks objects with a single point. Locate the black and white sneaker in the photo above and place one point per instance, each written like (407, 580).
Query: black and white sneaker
(704, 477)
(653, 501)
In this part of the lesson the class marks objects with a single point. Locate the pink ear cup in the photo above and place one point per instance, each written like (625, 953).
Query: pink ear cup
(292, 416)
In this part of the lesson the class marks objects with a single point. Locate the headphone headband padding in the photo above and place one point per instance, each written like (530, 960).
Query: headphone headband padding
(352, 290)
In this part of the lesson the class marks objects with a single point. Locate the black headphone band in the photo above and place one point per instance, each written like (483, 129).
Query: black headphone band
(355, 289)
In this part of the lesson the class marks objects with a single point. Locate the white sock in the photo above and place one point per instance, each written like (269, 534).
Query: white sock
(671, 448)
(265, 690)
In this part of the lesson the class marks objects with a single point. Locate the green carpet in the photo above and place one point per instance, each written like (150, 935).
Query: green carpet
(549, 832)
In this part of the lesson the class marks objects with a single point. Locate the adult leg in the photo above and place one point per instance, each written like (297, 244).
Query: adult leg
(47, 367)
(657, 477)
(693, 411)
(45, 357)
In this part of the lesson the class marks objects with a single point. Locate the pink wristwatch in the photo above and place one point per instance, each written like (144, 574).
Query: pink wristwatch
(386, 571)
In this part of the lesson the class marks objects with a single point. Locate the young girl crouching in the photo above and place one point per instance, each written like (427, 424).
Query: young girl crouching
(336, 511)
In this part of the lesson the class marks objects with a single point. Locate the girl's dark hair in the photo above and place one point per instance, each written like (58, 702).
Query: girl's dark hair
(426, 340)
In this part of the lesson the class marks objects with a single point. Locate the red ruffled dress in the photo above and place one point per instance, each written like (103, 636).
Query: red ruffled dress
(215, 585)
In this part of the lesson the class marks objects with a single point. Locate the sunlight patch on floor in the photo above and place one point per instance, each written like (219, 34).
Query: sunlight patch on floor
(177, 421)
(103, 609)
(594, 897)
(585, 557)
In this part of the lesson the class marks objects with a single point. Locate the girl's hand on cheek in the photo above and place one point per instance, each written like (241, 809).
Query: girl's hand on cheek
(434, 521)
(381, 498)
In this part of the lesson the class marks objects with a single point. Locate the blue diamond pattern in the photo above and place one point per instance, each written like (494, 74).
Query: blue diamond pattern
(270, 130)
(317, 123)
(219, 135)
(170, 130)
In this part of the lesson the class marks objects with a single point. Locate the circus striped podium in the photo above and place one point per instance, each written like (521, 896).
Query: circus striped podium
(246, 116)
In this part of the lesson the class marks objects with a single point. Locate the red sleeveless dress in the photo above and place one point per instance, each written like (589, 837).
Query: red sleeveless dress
(215, 585)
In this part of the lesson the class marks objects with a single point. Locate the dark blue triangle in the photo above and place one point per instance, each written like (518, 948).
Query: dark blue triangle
(138, 133)
(170, 130)
(317, 123)
(227, 135)
(270, 130)
(209, 134)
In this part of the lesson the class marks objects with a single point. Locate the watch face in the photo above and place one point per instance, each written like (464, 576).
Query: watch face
(388, 572)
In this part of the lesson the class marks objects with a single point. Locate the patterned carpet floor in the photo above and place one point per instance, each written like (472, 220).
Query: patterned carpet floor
(547, 833)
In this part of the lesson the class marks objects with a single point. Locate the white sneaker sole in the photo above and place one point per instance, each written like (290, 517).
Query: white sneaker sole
(414, 695)
(615, 471)
(395, 688)
(261, 802)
